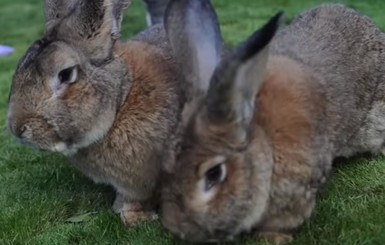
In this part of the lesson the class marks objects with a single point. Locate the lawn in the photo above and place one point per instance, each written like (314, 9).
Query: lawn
(41, 196)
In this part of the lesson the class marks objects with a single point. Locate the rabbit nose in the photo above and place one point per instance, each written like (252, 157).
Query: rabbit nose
(18, 127)
(17, 121)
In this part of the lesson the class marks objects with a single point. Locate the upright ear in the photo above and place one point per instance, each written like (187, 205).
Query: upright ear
(155, 11)
(91, 25)
(117, 16)
(54, 10)
(236, 81)
(193, 31)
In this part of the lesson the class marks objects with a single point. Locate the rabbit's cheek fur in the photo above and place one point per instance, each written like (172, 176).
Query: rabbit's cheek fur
(28, 123)
(182, 223)
(32, 130)
(247, 170)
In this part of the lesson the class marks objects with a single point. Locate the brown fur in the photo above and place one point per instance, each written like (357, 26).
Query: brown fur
(287, 102)
(285, 112)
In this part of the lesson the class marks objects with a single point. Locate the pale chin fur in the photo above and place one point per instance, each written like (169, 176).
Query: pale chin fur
(63, 149)
(96, 133)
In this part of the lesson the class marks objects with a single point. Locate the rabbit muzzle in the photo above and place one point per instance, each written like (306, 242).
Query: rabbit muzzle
(35, 131)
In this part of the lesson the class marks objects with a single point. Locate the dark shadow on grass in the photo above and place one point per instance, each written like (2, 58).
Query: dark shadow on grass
(343, 161)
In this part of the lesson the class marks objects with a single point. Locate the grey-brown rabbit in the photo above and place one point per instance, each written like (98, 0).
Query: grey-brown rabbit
(111, 107)
(269, 118)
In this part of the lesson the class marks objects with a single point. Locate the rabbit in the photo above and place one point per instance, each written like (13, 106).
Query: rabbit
(110, 106)
(268, 118)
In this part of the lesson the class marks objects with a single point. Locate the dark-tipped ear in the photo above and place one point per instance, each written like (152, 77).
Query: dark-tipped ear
(193, 30)
(92, 26)
(236, 81)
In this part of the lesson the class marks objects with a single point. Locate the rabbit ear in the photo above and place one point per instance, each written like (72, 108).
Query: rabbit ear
(236, 81)
(193, 31)
(55, 10)
(155, 11)
(92, 25)
(117, 16)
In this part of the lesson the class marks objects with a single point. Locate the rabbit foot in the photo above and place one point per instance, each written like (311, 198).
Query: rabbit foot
(382, 151)
(276, 238)
(133, 212)
(118, 204)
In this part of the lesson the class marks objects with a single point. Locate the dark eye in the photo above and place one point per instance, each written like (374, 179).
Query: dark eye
(215, 175)
(68, 75)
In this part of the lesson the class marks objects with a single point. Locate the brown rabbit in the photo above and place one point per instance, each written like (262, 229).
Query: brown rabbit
(259, 145)
(111, 107)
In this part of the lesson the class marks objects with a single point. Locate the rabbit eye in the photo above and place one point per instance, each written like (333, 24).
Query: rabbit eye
(68, 75)
(215, 175)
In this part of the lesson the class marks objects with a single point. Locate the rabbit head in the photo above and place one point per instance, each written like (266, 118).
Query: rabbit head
(213, 189)
(66, 89)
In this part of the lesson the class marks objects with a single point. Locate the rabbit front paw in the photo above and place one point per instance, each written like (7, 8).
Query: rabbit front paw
(118, 204)
(276, 238)
(133, 212)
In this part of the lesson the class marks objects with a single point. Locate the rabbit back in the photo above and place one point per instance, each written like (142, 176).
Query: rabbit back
(344, 51)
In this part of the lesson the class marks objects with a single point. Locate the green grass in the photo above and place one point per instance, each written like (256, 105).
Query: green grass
(39, 192)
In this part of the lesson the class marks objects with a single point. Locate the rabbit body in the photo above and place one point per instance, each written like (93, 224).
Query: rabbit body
(110, 106)
(130, 156)
(343, 50)
(323, 98)
(259, 147)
